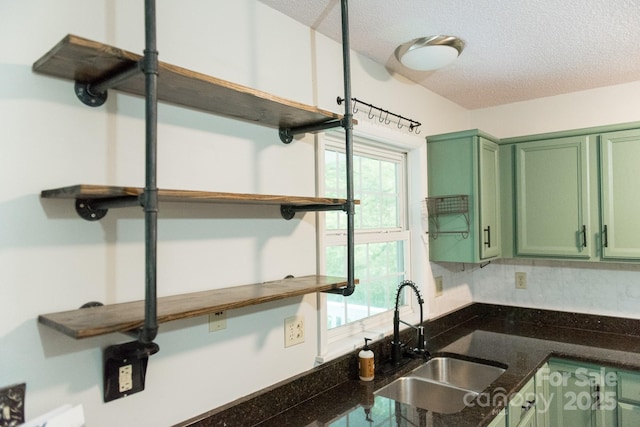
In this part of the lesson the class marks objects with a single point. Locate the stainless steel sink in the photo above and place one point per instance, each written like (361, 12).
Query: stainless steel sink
(460, 373)
(443, 384)
(428, 395)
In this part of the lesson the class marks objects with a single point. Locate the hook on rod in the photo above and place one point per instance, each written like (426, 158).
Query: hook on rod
(412, 124)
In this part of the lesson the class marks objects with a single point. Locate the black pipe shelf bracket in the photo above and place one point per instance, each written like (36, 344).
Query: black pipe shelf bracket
(96, 209)
(383, 115)
(287, 134)
(289, 211)
(94, 94)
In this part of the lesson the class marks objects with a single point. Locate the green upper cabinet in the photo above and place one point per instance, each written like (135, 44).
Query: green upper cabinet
(620, 194)
(464, 197)
(552, 197)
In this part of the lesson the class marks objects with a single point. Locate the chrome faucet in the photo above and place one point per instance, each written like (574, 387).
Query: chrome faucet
(396, 345)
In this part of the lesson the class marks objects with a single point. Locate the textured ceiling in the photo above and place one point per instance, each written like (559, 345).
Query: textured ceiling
(515, 50)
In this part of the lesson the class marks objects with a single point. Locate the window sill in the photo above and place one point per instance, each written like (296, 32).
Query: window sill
(345, 344)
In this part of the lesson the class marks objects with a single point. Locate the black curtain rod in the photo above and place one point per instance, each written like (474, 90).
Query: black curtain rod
(413, 125)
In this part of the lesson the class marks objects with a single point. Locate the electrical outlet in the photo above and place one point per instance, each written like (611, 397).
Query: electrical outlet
(217, 321)
(125, 378)
(293, 331)
(125, 369)
(438, 286)
(521, 280)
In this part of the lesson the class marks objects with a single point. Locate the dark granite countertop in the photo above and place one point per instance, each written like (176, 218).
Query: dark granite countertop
(522, 339)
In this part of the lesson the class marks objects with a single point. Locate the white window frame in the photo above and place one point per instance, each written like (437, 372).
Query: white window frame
(337, 341)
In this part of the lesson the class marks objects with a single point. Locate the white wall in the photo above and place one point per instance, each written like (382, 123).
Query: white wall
(595, 107)
(51, 260)
(595, 288)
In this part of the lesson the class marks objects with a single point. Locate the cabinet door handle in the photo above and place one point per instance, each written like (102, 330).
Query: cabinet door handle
(605, 235)
(488, 241)
(530, 404)
(584, 236)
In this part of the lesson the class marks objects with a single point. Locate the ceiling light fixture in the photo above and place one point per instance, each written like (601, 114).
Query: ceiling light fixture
(429, 53)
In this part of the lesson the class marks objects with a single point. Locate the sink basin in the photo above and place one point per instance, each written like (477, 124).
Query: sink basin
(428, 395)
(444, 384)
(460, 373)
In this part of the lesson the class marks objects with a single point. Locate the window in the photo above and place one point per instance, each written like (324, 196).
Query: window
(381, 237)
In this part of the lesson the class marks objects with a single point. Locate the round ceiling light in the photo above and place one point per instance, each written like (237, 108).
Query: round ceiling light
(429, 53)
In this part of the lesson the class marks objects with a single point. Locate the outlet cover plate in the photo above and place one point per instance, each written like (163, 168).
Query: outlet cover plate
(125, 370)
(521, 280)
(12, 404)
(217, 321)
(293, 331)
(439, 285)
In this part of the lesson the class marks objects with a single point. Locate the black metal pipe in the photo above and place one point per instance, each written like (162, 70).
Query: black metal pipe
(115, 202)
(287, 134)
(347, 124)
(289, 211)
(150, 69)
(112, 81)
(412, 123)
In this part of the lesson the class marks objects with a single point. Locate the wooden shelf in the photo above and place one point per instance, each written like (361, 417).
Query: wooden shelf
(91, 192)
(95, 321)
(85, 61)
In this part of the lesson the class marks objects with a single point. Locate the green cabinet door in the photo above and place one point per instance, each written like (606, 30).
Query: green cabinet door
(581, 395)
(572, 391)
(464, 163)
(620, 194)
(522, 406)
(500, 420)
(542, 396)
(552, 197)
(489, 176)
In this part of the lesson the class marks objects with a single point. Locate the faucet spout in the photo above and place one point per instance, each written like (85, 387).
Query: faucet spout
(396, 345)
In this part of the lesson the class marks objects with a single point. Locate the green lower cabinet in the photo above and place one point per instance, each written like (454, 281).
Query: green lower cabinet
(628, 398)
(581, 395)
(500, 420)
(522, 407)
(620, 195)
(542, 396)
(628, 415)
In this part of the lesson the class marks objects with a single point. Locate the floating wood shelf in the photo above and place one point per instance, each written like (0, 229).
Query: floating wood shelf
(85, 61)
(123, 317)
(92, 192)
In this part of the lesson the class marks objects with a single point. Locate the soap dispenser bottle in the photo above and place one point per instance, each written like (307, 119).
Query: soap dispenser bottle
(366, 364)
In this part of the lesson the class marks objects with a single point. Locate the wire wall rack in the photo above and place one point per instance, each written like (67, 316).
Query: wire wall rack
(438, 206)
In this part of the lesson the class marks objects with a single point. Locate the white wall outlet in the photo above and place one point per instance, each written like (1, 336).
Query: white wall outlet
(125, 378)
(521, 280)
(439, 285)
(293, 330)
(217, 321)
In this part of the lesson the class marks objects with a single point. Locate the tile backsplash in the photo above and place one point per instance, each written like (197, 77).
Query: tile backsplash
(611, 289)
